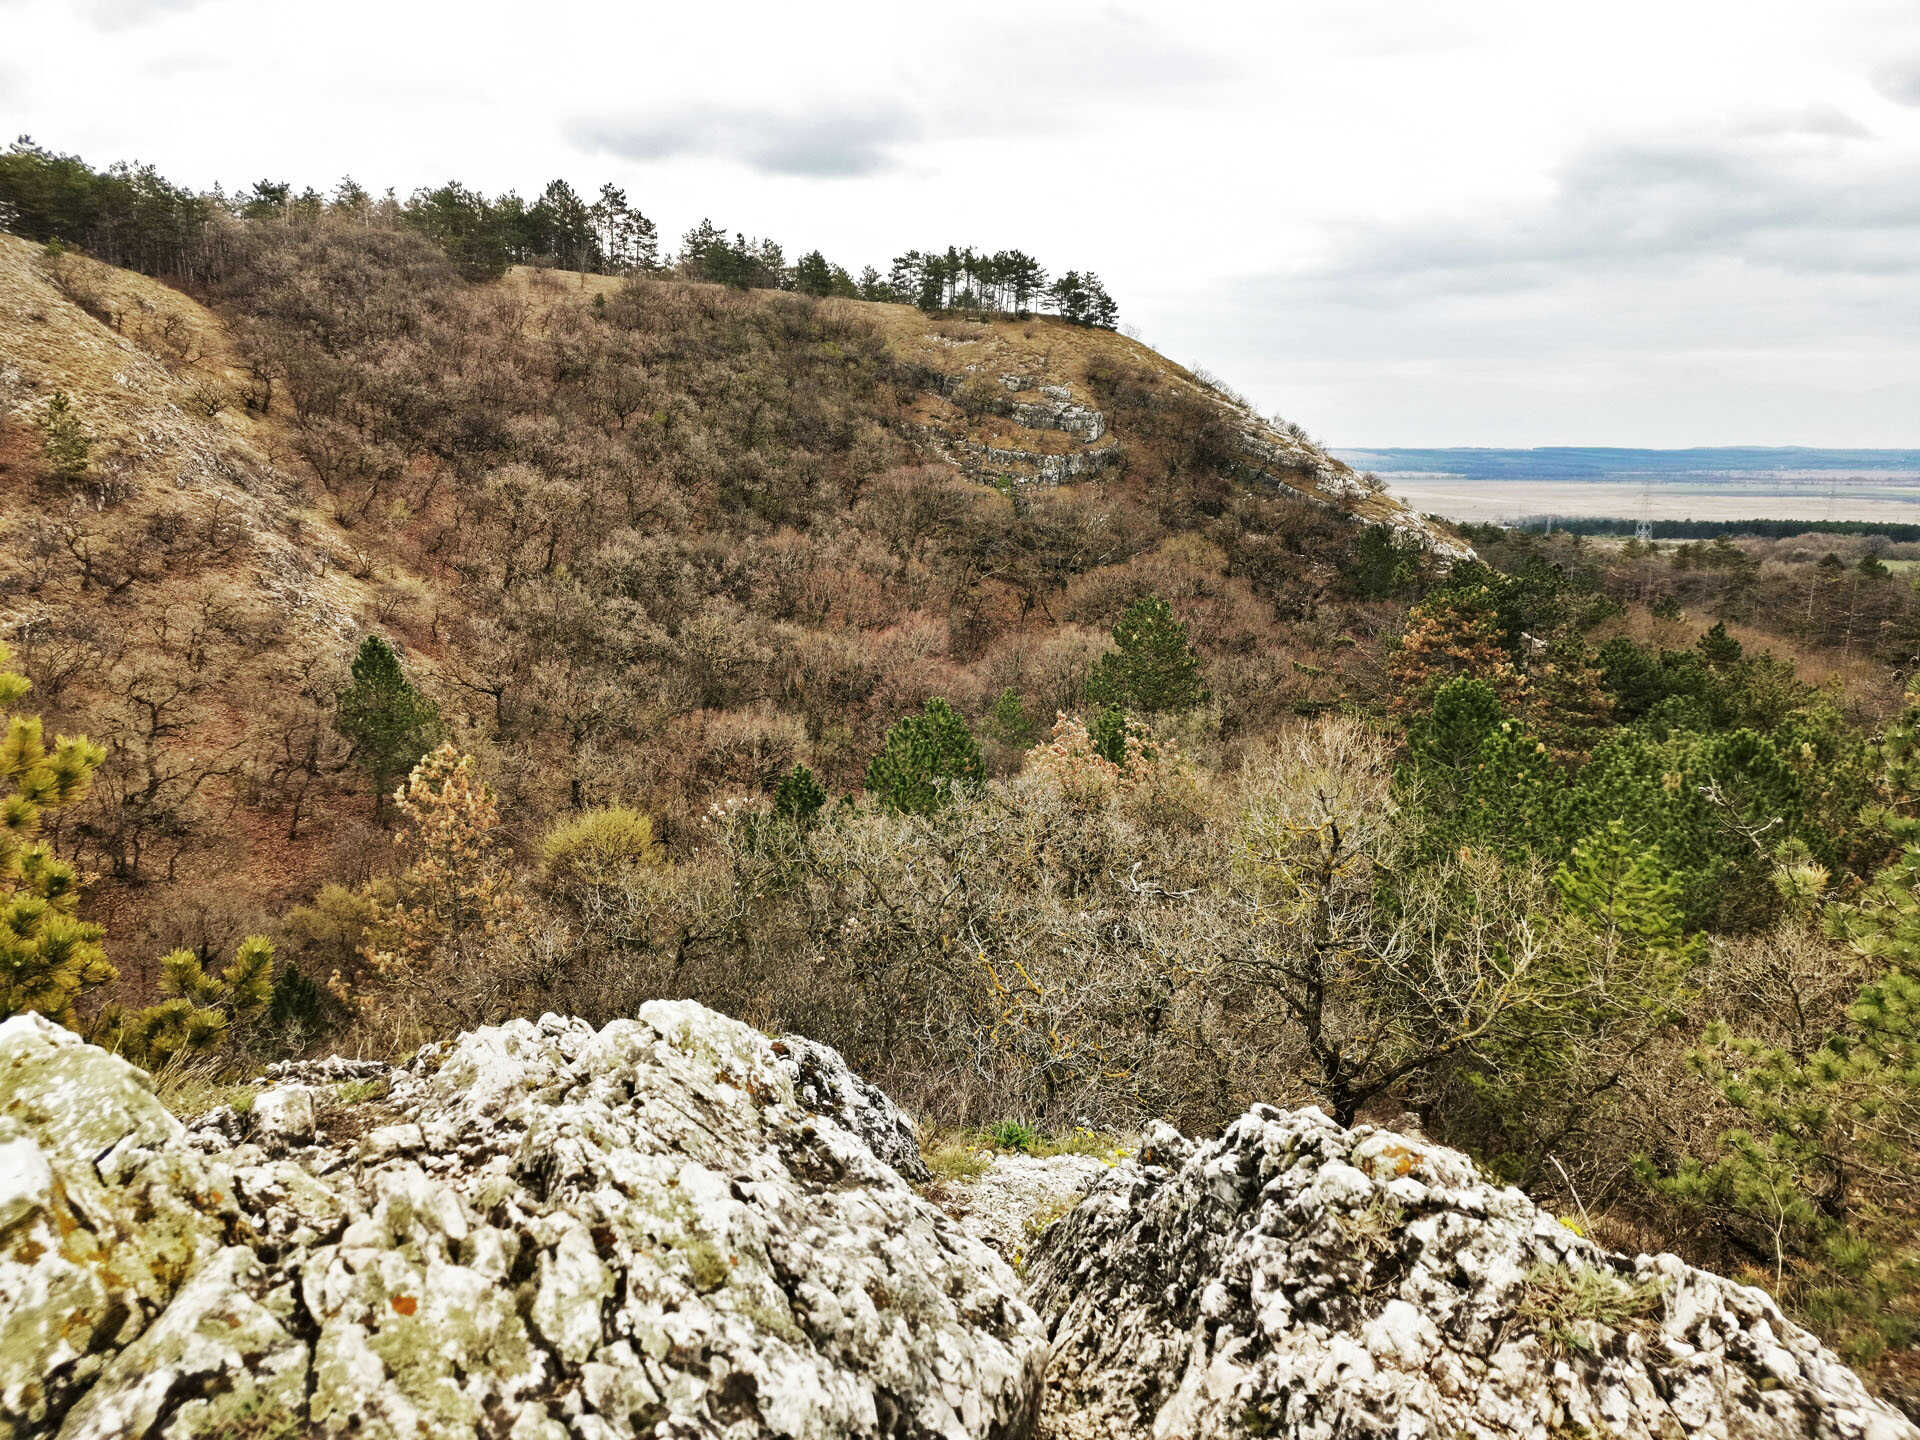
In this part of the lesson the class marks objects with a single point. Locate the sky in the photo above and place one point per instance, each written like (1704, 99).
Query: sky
(1396, 222)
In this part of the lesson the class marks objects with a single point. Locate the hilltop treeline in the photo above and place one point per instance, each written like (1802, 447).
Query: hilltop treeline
(132, 216)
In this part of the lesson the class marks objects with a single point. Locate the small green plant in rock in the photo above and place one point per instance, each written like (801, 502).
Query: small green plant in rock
(955, 1157)
(1014, 1135)
(1080, 1140)
(1570, 1306)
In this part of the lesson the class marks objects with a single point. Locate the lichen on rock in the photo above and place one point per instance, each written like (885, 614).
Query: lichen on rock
(825, 1085)
(556, 1232)
(1293, 1278)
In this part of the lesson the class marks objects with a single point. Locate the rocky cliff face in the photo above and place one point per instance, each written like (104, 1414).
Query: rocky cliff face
(1294, 1278)
(672, 1227)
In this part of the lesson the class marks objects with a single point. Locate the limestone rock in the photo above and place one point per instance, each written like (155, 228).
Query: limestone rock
(1056, 410)
(1018, 1196)
(540, 1230)
(283, 1116)
(823, 1083)
(1294, 1278)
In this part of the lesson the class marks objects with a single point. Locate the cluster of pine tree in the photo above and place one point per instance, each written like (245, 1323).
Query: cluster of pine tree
(1003, 282)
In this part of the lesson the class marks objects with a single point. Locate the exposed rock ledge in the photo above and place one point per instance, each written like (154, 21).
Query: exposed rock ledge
(1296, 1279)
(558, 1233)
(672, 1227)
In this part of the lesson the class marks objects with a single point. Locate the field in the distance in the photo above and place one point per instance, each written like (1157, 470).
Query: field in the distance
(1703, 484)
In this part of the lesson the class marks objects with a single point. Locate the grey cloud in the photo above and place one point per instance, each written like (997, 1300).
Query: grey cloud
(172, 67)
(1656, 208)
(1113, 53)
(1814, 122)
(1052, 77)
(1673, 279)
(1056, 75)
(1899, 80)
(1385, 28)
(829, 141)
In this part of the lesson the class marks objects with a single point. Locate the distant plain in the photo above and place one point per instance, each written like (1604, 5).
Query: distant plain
(1708, 484)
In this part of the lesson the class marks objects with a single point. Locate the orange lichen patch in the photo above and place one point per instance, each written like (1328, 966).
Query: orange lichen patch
(1397, 1160)
(405, 1304)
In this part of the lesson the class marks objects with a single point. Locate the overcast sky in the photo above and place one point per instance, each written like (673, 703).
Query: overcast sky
(1491, 222)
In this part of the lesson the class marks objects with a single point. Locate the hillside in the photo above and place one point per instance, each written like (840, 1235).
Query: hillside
(791, 505)
(186, 604)
(1011, 400)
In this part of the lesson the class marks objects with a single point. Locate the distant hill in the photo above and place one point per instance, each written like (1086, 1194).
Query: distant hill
(1596, 462)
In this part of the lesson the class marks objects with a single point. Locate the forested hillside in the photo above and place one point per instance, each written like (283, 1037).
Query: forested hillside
(966, 686)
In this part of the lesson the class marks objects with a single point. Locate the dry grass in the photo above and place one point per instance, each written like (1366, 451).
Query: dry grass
(136, 360)
(143, 365)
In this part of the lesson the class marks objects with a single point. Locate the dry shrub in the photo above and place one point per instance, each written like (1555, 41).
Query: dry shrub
(1048, 669)
(743, 750)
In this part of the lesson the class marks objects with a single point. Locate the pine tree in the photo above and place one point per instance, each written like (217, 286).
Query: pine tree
(1624, 893)
(927, 758)
(1008, 720)
(1444, 744)
(1152, 669)
(64, 439)
(1823, 1150)
(48, 955)
(389, 723)
(627, 239)
(199, 1009)
(812, 275)
(1571, 708)
(457, 890)
(1107, 733)
(1719, 649)
(565, 224)
(1452, 633)
(1482, 778)
(798, 797)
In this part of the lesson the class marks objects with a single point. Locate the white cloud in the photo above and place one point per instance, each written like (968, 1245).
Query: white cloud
(1899, 80)
(125, 14)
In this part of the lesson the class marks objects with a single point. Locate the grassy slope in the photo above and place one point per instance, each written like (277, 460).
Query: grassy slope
(1046, 350)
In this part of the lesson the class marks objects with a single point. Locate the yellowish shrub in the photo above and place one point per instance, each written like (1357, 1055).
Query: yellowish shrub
(599, 849)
